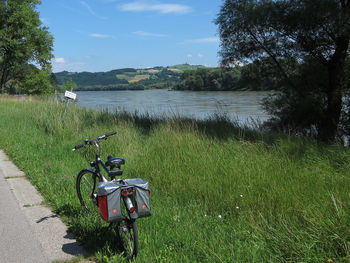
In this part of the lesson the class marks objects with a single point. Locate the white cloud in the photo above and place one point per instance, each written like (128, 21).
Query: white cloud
(61, 64)
(59, 60)
(91, 11)
(148, 34)
(97, 35)
(204, 40)
(69, 66)
(189, 55)
(161, 8)
(200, 55)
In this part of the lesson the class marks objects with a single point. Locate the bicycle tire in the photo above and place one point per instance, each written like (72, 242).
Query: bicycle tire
(127, 235)
(86, 186)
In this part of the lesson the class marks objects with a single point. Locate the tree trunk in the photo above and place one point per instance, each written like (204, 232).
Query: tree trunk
(4, 76)
(330, 122)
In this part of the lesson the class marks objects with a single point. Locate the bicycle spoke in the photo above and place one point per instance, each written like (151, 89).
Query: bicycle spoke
(86, 180)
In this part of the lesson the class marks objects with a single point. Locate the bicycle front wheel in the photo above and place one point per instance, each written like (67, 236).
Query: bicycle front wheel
(128, 237)
(87, 190)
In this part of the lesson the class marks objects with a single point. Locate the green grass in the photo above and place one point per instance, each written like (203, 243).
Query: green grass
(184, 67)
(220, 193)
(128, 77)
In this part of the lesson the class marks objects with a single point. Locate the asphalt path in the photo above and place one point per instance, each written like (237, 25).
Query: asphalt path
(29, 231)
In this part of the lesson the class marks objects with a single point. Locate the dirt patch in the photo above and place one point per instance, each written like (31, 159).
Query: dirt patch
(173, 69)
(138, 78)
(152, 70)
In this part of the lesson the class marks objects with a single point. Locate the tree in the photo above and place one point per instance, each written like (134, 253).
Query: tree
(37, 82)
(22, 39)
(258, 76)
(230, 78)
(30, 80)
(305, 41)
(69, 85)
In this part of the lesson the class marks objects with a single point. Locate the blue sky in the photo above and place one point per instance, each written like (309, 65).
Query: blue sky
(101, 35)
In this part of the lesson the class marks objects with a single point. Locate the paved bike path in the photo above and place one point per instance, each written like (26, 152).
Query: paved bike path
(29, 231)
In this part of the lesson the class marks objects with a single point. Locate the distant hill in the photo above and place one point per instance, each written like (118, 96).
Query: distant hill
(127, 78)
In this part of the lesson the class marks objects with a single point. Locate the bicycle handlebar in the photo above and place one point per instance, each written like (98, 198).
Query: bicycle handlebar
(105, 136)
(94, 141)
(76, 147)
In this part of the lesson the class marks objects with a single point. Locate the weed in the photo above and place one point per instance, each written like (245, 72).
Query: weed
(220, 192)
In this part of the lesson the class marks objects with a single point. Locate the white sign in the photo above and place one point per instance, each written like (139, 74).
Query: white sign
(70, 95)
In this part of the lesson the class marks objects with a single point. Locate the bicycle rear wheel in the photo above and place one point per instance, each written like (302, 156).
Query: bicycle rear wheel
(87, 190)
(128, 237)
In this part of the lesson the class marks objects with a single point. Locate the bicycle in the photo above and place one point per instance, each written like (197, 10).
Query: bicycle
(95, 191)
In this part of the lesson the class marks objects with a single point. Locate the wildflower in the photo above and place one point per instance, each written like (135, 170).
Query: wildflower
(205, 215)
(237, 207)
(241, 196)
(220, 216)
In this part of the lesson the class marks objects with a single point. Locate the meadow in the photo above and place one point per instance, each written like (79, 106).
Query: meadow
(219, 192)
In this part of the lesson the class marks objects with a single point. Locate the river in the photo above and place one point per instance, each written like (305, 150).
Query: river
(241, 106)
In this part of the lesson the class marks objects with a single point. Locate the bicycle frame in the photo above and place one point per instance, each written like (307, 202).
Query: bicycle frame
(98, 162)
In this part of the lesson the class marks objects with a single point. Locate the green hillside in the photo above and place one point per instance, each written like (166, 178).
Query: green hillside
(184, 67)
(127, 78)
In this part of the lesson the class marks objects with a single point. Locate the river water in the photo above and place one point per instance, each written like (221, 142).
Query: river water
(241, 106)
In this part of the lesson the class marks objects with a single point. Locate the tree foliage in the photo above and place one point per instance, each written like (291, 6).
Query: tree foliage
(37, 82)
(306, 44)
(209, 79)
(249, 77)
(23, 41)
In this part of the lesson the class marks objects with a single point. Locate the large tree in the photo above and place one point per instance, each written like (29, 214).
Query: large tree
(307, 42)
(22, 39)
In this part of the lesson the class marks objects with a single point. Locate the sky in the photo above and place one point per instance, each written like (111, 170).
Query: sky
(102, 35)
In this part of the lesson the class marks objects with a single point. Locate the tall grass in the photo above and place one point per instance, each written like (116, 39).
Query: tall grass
(220, 193)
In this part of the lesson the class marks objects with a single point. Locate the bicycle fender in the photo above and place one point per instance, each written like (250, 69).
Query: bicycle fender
(91, 170)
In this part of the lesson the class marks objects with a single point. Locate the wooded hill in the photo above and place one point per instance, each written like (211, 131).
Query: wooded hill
(252, 76)
(127, 78)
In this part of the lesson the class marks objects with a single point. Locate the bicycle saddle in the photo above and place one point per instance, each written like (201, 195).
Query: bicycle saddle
(114, 162)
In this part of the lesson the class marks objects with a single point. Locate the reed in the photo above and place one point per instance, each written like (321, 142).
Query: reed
(220, 192)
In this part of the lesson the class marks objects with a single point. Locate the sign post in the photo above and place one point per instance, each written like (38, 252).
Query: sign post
(69, 96)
